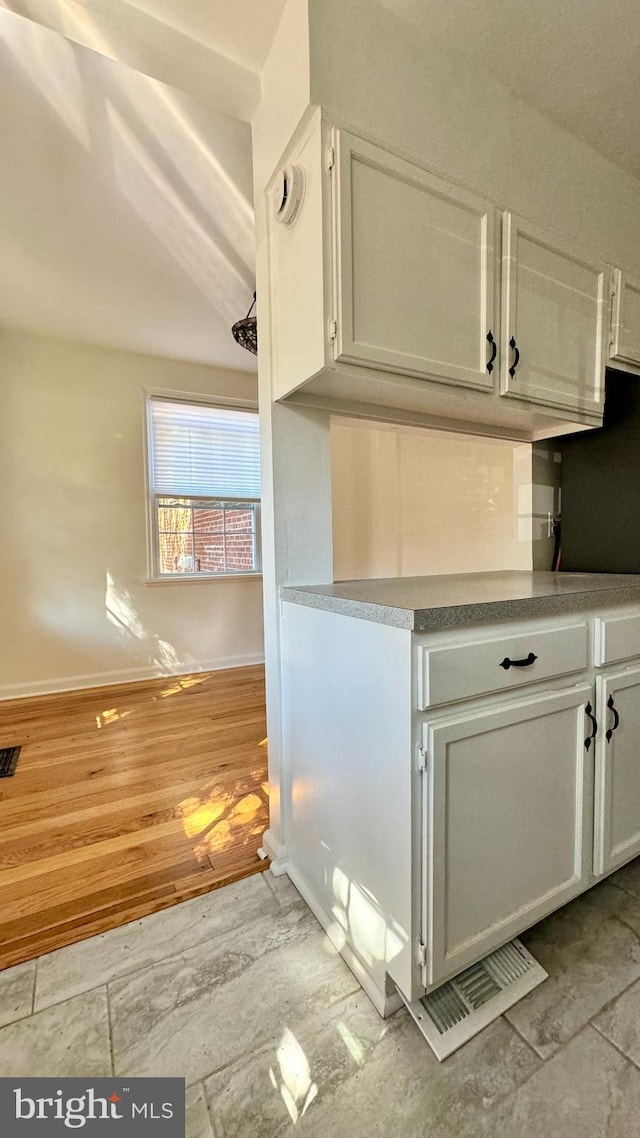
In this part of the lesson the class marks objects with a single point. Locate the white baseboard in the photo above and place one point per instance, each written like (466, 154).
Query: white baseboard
(275, 850)
(384, 1003)
(123, 676)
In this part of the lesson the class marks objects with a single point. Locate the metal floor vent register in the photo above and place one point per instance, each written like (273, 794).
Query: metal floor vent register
(8, 761)
(462, 1007)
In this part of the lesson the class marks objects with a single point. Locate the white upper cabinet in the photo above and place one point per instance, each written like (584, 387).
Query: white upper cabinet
(388, 298)
(415, 270)
(553, 309)
(625, 321)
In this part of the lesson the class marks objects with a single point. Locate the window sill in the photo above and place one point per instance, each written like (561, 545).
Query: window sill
(201, 578)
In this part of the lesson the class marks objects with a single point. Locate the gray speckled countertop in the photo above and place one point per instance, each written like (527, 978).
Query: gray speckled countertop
(429, 603)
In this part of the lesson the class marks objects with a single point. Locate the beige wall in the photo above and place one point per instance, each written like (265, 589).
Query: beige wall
(410, 502)
(74, 606)
(546, 478)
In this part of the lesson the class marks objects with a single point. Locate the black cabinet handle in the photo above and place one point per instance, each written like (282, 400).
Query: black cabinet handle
(616, 719)
(507, 663)
(589, 712)
(516, 358)
(494, 351)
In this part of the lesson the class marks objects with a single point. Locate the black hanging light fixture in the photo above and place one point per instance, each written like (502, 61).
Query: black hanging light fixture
(245, 331)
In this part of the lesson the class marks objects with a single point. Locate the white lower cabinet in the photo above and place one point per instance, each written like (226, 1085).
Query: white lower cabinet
(507, 822)
(617, 783)
(425, 842)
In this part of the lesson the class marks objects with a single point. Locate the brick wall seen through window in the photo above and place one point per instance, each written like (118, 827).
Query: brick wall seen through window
(205, 537)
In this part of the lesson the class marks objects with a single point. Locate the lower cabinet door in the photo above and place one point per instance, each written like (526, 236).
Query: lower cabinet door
(508, 823)
(617, 789)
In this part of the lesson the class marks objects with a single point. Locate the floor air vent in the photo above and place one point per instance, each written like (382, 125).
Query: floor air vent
(458, 1010)
(8, 760)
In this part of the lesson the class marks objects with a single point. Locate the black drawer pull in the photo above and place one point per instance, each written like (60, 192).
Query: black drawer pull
(616, 719)
(589, 713)
(507, 663)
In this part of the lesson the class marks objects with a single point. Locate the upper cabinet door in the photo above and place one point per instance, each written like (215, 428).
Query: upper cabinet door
(625, 324)
(553, 304)
(415, 270)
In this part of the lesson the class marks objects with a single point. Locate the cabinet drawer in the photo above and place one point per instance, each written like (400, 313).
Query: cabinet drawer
(617, 638)
(461, 671)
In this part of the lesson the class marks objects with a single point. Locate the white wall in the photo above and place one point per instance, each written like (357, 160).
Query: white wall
(74, 606)
(409, 502)
(296, 458)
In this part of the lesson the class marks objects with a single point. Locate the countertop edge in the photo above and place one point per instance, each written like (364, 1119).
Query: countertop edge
(361, 610)
(452, 616)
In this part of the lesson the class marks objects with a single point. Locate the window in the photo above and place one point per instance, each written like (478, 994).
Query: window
(204, 482)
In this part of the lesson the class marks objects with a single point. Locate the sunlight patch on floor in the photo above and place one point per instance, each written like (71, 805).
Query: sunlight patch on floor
(352, 1045)
(297, 1088)
(111, 716)
(197, 816)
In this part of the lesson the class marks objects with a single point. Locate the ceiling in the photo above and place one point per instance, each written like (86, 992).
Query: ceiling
(242, 30)
(126, 214)
(576, 61)
(211, 50)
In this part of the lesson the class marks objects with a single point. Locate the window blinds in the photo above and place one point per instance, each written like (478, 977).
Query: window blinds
(199, 450)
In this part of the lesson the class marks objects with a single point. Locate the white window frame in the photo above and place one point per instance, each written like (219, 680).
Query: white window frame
(154, 576)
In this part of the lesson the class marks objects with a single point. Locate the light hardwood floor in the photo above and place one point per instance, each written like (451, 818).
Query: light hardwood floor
(126, 800)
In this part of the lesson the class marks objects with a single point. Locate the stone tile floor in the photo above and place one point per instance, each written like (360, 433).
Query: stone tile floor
(240, 992)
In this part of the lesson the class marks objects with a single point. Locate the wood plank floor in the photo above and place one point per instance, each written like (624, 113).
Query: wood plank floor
(127, 800)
